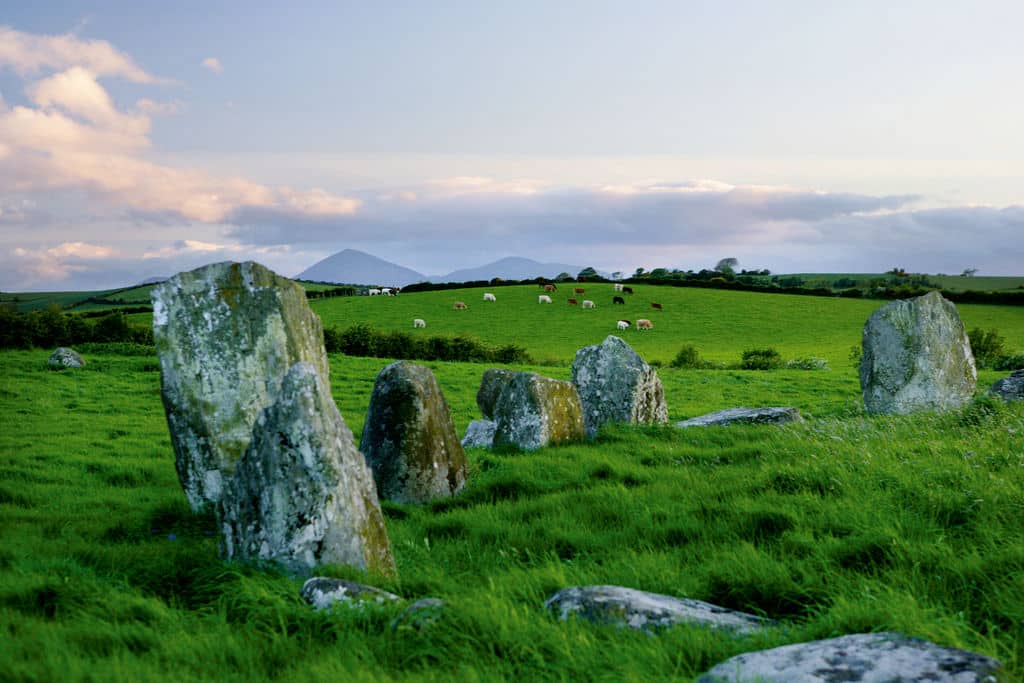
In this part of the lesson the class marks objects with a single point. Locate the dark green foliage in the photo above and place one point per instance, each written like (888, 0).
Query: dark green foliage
(988, 346)
(363, 340)
(761, 359)
(51, 327)
(688, 357)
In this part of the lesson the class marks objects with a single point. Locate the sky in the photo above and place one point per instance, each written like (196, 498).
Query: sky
(141, 139)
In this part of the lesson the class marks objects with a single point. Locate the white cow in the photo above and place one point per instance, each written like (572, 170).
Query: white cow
(543, 299)
(373, 292)
(489, 297)
(618, 287)
(419, 322)
(623, 324)
(587, 303)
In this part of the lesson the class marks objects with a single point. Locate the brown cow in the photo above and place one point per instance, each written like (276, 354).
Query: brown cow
(644, 324)
(578, 290)
(627, 290)
(571, 302)
(656, 306)
(618, 300)
(549, 288)
(459, 306)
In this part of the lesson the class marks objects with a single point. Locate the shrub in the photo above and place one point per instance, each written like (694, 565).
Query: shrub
(363, 340)
(1012, 362)
(761, 359)
(987, 346)
(688, 357)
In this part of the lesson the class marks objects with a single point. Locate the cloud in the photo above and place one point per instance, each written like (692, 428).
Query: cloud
(28, 54)
(213, 64)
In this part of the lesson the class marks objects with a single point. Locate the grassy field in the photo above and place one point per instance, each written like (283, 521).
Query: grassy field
(842, 524)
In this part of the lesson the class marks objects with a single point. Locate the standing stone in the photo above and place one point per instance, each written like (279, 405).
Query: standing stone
(534, 411)
(226, 334)
(916, 357)
(302, 495)
(1010, 388)
(491, 384)
(409, 438)
(64, 357)
(616, 385)
(861, 657)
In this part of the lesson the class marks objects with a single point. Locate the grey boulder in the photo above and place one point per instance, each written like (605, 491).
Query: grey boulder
(491, 385)
(323, 593)
(616, 385)
(64, 357)
(864, 657)
(774, 415)
(917, 356)
(479, 434)
(1010, 388)
(534, 411)
(628, 607)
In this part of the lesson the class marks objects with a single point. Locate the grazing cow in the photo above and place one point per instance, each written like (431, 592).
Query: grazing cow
(419, 322)
(489, 297)
(618, 300)
(549, 288)
(373, 292)
(587, 303)
(627, 290)
(460, 306)
(657, 307)
(578, 290)
(571, 302)
(543, 299)
(618, 287)
(623, 324)
(644, 324)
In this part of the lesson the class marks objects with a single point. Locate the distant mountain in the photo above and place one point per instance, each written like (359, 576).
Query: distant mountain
(152, 280)
(354, 267)
(510, 268)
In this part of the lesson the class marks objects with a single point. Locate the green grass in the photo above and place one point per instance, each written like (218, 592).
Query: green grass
(841, 524)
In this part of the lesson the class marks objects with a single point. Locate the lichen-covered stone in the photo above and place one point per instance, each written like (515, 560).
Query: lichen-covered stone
(491, 384)
(409, 438)
(323, 592)
(729, 416)
(616, 385)
(866, 657)
(226, 334)
(64, 357)
(1010, 388)
(916, 357)
(534, 411)
(302, 495)
(628, 607)
(421, 614)
(479, 434)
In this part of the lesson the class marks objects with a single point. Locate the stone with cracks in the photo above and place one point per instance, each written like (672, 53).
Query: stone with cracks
(1010, 388)
(479, 434)
(421, 614)
(866, 657)
(628, 607)
(616, 385)
(409, 438)
(491, 385)
(323, 592)
(535, 411)
(724, 418)
(916, 357)
(302, 495)
(64, 357)
(226, 334)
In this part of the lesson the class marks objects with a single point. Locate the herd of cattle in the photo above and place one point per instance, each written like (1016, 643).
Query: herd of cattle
(546, 298)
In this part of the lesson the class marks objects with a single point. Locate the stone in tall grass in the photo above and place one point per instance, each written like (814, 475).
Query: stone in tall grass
(1010, 388)
(226, 334)
(616, 385)
(917, 356)
(409, 439)
(534, 411)
(64, 357)
(302, 495)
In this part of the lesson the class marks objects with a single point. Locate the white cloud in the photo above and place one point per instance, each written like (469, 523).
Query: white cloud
(28, 54)
(213, 64)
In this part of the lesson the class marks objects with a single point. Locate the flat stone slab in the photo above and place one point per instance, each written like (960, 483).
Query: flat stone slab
(774, 415)
(863, 657)
(643, 611)
(323, 592)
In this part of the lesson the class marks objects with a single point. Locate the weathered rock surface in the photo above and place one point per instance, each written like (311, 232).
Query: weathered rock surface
(419, 615)
(302, 495)
(226, 334)
(866, 657)
(916, 357)
(64, 357)
(620, 606)
(409, 439)
(616, 385)
(1010, 388)
(323, 592)
(491, 384)
(534, 411)
(479, 433)
(774, 415)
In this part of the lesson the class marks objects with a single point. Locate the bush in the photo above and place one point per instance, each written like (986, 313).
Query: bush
(688, 357)
(1011, 362)
(761, 359)
(987, 346)
(363, 340)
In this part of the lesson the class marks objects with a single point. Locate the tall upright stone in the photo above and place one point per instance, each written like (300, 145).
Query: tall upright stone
(226, 334)
(491, 384)
(409, 438)
(616, 385)
(917, 356)
(302, 495)
(533, 411)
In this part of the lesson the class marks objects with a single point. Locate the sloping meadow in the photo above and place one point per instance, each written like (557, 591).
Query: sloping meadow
(841, 524)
